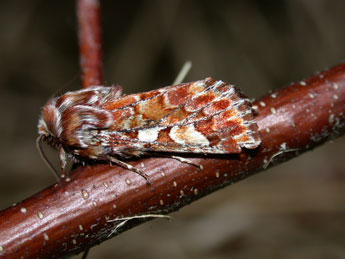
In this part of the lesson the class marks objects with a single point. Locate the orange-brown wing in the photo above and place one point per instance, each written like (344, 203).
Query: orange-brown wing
(148, 109)
(205, 116)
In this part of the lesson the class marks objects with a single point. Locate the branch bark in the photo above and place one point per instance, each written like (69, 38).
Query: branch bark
(64, 220)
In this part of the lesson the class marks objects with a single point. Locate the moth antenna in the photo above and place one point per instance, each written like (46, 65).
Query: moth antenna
(44, 157)
(183, 72)
(67, 84)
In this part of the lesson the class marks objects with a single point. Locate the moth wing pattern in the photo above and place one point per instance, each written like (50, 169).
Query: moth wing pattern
(206, 116)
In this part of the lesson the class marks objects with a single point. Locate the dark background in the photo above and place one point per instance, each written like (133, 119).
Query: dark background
(295, 210)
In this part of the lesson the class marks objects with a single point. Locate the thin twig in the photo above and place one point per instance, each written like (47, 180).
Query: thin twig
(183, 73)
(90, 42)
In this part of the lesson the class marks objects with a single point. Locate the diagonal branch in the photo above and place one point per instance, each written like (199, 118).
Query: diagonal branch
(59, 221)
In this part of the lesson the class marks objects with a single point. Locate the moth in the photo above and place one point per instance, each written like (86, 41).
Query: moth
(205, 117)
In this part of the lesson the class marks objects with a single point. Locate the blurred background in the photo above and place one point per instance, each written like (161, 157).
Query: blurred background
(295, 210)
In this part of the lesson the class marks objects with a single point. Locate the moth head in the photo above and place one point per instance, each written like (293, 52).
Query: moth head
(49, 129)
(49, 124)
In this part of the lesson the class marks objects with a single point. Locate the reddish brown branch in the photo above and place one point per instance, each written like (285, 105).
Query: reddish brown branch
(90, 42)
(64, 220)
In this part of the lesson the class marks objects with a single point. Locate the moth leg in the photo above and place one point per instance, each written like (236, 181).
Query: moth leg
(187, 161)
(131, 168)
(178, 158)
(63, 162)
